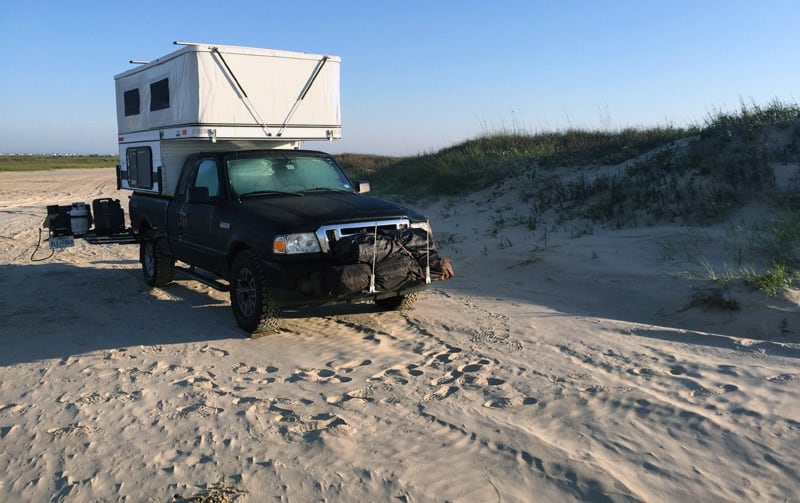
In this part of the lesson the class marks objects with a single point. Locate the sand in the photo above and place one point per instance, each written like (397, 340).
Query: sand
(573, 364)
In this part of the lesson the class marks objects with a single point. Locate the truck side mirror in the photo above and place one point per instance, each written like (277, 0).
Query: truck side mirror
(198, 195)
(363, 186)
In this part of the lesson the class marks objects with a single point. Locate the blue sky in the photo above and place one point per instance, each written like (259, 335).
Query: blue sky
(416, 75)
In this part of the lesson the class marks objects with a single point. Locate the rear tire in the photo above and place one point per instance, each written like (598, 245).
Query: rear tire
(251, 302)
(399, 303)
(158, 266)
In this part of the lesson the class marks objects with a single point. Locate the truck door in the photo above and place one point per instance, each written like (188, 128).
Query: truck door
(197, 220)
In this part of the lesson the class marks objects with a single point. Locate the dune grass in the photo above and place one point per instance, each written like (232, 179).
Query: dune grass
(728, 146)
(490, 159)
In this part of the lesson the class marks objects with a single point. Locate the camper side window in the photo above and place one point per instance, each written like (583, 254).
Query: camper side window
(159, 95)
(140, 167)
(131, 99)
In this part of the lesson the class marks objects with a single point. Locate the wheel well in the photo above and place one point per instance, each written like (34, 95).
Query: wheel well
(236, 248)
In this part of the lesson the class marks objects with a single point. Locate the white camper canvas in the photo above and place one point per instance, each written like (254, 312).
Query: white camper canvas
(207, 91)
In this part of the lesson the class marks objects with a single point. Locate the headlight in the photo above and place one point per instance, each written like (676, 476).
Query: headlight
(304, 242)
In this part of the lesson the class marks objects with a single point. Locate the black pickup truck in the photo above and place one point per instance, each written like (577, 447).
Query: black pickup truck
(269, 225)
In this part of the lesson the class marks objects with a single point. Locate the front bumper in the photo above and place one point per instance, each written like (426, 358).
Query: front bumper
(294, 284)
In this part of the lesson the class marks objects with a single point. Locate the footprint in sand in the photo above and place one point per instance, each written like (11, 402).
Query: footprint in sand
(72, 429)
(449, 377)
(642, 371)
(216, 352)
(360, 394)
(451, 355)
(198, 409)
(152, 349)
(728, 370)
(502, 402)
(200, 382)
(679, 370)
(253, 375)
(347, 366)
(441, 393)
(474, 373)
(14, 409)
(398, 374)
(474, 367)
(469, 368)
(783, 378)
(319, 376)
(312, 427)
(292, 422)
(117, 354)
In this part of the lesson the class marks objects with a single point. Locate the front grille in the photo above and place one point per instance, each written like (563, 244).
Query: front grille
(329, 234)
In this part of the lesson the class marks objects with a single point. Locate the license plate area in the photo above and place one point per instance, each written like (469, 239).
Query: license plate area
(61, 242)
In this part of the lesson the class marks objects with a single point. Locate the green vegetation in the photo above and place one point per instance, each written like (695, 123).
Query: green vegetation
(46, 162)
(770, 281)
(492, 159)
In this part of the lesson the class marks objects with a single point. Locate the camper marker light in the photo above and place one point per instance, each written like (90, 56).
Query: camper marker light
(304, 242)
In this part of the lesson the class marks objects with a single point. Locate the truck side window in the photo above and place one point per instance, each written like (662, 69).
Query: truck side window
(208, 176)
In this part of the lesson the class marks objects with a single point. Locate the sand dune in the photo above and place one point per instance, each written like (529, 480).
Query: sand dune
(566, 367)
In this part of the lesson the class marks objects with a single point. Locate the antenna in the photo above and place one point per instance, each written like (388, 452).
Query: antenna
(138, 62)
(176, 42)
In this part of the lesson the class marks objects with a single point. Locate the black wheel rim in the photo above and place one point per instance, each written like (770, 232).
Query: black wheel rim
(246, 292)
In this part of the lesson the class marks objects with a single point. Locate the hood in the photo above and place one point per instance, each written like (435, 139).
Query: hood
(296, 213)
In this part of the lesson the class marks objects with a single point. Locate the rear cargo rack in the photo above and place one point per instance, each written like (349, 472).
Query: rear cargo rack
(126, 238)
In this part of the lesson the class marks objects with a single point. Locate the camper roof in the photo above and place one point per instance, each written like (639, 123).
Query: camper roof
(227, 49)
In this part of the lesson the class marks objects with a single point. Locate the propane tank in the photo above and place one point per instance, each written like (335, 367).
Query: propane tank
(79, 219)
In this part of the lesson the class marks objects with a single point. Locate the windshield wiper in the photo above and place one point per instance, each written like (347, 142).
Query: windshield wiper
(269, 193)
(326, 189)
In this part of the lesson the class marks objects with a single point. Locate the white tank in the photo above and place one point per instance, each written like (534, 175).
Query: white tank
(79, 219)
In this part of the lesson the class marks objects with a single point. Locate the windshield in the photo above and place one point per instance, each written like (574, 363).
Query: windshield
(284, 172)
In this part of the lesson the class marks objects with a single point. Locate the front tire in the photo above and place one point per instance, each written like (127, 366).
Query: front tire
(251, 302)
(158, 266)
(399, 303)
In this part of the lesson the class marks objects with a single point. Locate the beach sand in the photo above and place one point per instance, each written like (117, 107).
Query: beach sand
(572, 364)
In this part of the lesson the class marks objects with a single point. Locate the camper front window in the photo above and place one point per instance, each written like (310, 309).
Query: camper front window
(131, 99)
(159, 95)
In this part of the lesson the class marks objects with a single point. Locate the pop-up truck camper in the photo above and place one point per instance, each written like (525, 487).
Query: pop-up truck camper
(210, 141)
(218, 98)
